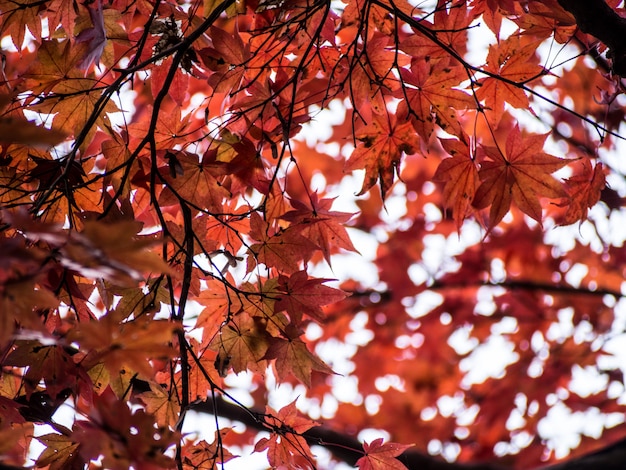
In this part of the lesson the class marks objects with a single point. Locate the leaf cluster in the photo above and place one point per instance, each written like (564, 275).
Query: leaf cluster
(166, 217)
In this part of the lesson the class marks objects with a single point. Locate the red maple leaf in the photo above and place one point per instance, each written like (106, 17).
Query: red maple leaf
(284, 250)
(522, 175)
(584, 191)
(431, 97)
(287, 447)
(379, 456)
(226, 59)
(460, 175)
(323, 227)
(382, 144)
(305, 296)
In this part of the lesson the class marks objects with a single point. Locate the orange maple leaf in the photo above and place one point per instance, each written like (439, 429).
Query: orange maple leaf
(16, 18)
(218, 302)
(460, 175)
(286, 446)
(522, 176)
(204, 456)
(293, 357)
(192, 180)
(17, 130)
(283, 250)
(379, 456)
(323, 227)
(123, 438)
(584, 192)
(370, 76)
(180, 82)
(511, 61)
(162, 403)
(305, 296)
(242, 344)
(431, 97)
(119, 344)
(56, 65)
(112, 251)
(73, 103)
(172, 129)
(452, 21)
(15, 434)
(382, 144)
(203, 373)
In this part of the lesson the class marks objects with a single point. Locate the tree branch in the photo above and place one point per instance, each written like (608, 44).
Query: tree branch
(348, 449)
(343, 447)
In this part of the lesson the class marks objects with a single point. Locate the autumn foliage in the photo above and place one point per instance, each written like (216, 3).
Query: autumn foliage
(182, 183)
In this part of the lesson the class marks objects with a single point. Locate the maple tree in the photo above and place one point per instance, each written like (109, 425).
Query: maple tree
(177, 193)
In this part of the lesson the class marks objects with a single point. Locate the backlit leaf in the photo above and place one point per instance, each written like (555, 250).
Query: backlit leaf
(522, 174)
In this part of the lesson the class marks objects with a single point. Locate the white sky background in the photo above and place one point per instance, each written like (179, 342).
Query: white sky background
(561, 427)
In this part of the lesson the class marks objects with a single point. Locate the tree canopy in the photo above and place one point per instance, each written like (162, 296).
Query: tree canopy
(387, 233)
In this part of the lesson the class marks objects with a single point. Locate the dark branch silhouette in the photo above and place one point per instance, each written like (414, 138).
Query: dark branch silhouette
(595, 17)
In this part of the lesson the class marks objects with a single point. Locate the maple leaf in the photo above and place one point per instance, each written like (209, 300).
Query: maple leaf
(382, 144)
(324, 227)
(521, 176)
(15, 439)
(120, 344)
(227, 230)
(123, 438)
(60, 452)
(136, 300)
(370, 78)
(379, 456)
(242, 343)
(514, 62)
(217, 303)
(50, 364)
(584, 192)
(73, 103)
(179, 85)
(194, 181)
(288, 446)
(203, 374)
(17, 18)
(55, 66)
(162, 404)
(112, 251)
(293, 357)
(548, 18)
(16, 130)
(244, 165)
(172, 129)
(452, 20)
(204, 456)
(431, 97)
(305, 296)
(116, 153)
(460, 175)
(20, 302)
(62, 15)
(284, 250)
(226, 59)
